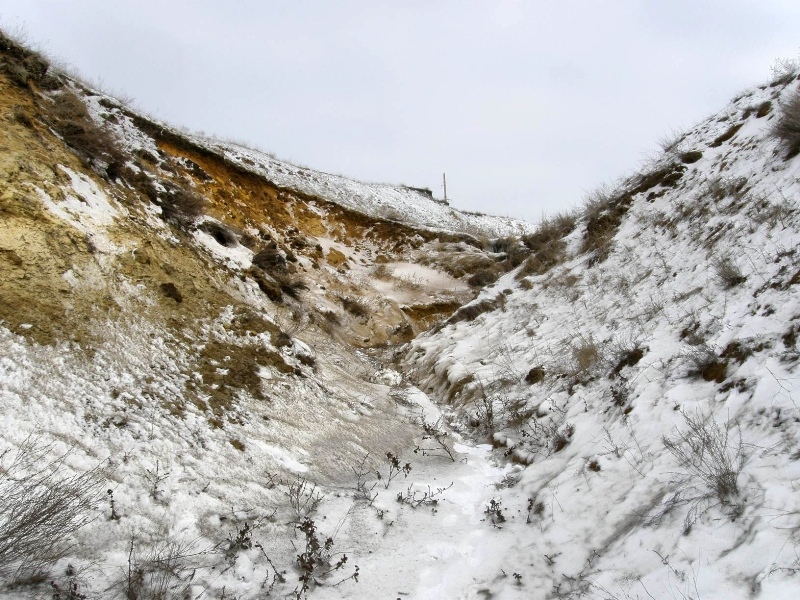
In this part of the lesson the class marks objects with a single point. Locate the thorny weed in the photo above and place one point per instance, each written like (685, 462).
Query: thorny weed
(316, 561)
(304, 497)
(434, 440)
(363, 490)
(395, 469)
(494, 513)
(416, 498)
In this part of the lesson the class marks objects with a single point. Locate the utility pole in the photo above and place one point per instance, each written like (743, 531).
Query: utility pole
(444, 185)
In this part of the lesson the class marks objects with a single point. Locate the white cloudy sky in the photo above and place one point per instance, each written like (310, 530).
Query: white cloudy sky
(525, 105)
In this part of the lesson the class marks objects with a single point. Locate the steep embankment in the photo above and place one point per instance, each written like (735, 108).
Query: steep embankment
(186, 413)
(178, 340)
(643, 365)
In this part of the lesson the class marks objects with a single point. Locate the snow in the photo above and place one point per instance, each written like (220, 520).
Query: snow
(393, 202)
(577, 464)
(656, 282)
(86, 207)
(399, 203)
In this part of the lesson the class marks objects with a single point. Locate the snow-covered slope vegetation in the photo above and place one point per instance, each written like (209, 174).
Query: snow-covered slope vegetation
(226, 376)
(644, 369)
(411, 205)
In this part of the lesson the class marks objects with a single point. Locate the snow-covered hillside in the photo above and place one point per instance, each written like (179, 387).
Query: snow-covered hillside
(409, 205)
(398, 203)
(649, 382)
(205, 393)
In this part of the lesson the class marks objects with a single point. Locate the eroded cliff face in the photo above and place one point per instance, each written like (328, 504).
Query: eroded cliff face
(182, 216)
(209, 344)
(192, 286)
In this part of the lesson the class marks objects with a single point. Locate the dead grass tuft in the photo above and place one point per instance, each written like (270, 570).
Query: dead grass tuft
(180, 206)
(546, 244)
(727, 135)
(484, 277)
(585, 354)
(727, 273)
(713, 461)
(787, 125)
(706, 364)
(358, 307)
(92, 143)
(472, 311)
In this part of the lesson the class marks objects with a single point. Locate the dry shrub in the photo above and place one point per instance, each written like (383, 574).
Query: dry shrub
(91, 142)
(515, 256)
(713, 461)
(784, 70)
(181, 206)
(472, 311)
(546, 244)
(40, 508)
(605, 208)
(512, 249)
(270, 258)
(720, 188)
(141, 182)
(357, 307)
(19, 115)
(764, 210)
(545, 258)
(290, 284)
(727, 273)
(502, 245)
(266, 284)
(21, 65)
(162, 571)
(484, 277)
(787, 125)
(457, 262)
(671, 142)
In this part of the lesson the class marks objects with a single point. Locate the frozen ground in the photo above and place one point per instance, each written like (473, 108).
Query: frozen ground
(653, 394)
(622, 425)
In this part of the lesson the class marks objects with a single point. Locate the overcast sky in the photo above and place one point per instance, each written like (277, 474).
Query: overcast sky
(525, 105)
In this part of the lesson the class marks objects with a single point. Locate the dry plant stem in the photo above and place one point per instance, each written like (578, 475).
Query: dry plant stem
(40, 507)
(437, 436)
(706, 450)
(362, 490)
(304, 497)
(394, 470)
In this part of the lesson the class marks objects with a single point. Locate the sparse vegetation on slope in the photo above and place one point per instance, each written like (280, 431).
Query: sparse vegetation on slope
(787, 125)
(640, 368)
(614, 417)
